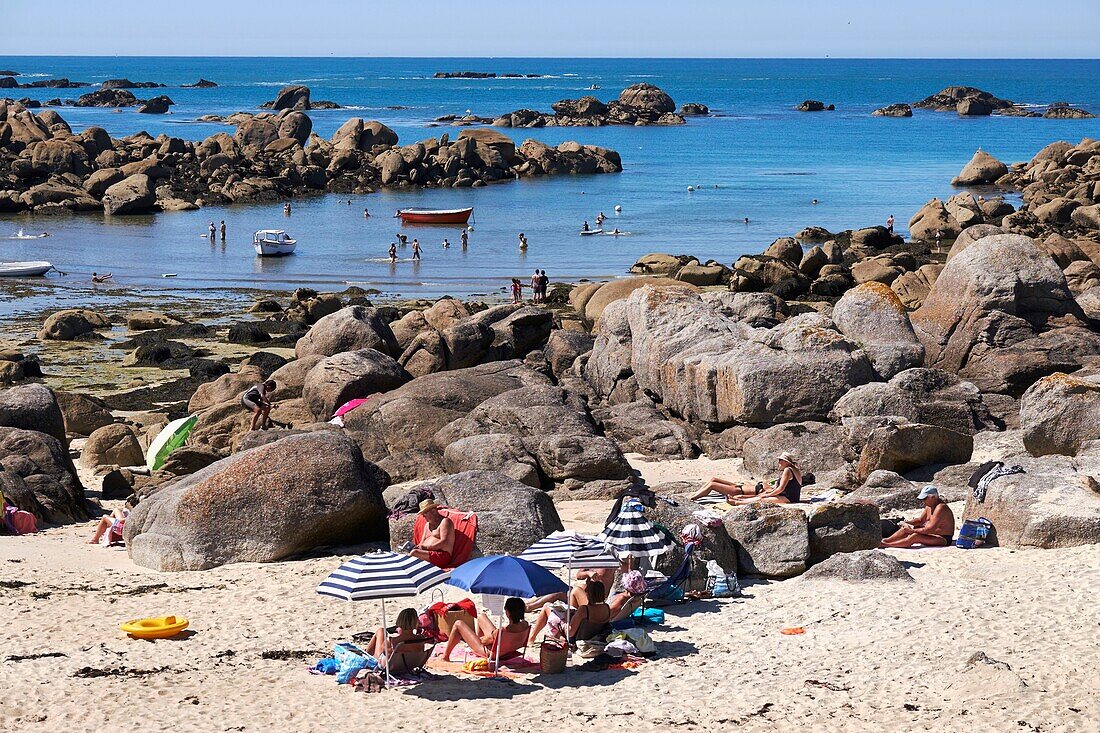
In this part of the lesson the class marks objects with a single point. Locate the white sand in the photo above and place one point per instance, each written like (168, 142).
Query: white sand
(874, 657)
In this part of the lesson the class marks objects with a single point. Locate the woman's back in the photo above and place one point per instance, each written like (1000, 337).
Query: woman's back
(595, 619)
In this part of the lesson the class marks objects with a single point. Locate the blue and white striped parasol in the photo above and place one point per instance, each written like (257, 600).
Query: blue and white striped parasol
(381, 575)
(632, 535)
(572, 550)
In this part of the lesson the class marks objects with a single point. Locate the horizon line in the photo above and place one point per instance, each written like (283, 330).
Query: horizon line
(571, 58)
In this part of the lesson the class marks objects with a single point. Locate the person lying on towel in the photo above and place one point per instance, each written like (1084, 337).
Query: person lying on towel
(438, 541)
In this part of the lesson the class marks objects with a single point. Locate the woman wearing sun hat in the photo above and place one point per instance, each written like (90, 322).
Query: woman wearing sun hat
(787, 490)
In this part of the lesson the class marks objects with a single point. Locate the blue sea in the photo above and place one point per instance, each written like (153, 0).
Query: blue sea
(756, 158)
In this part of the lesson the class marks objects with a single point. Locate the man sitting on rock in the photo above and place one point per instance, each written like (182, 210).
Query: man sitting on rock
(438, 541)
(933, 528)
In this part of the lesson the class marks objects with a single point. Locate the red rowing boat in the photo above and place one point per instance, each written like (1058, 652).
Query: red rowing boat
(435, 216)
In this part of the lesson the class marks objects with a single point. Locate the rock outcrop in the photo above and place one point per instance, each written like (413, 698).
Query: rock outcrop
(274, 155)
(269, 503)
(638, 104)
(1000, 315)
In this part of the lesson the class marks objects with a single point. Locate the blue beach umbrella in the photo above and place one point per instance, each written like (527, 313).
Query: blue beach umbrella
(504, 575)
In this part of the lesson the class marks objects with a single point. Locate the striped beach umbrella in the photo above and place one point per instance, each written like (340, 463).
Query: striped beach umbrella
(632, 535)
(381, 575)
(570, 550)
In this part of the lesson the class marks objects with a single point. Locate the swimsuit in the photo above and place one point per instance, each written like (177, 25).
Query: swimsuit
(439, 558)
(793, 490)
(252, 398)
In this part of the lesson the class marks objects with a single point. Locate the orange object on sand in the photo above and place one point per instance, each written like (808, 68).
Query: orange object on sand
(465, 534)
(792, 631)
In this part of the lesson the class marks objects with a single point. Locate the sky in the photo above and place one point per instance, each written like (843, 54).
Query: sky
(555, 28)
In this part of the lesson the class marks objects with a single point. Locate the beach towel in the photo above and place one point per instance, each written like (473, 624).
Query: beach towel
(465, 534)
(996, 471)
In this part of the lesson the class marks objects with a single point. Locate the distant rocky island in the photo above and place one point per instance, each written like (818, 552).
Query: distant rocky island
(638, 104)
(973, 102)
(45, 167)
(483, 75)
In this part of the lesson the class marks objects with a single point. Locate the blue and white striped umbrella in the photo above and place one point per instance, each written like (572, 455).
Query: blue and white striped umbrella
(381, 575)
(570, 549)
(632, 535)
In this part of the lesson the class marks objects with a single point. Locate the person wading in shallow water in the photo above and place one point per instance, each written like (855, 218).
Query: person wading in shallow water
(416, 249)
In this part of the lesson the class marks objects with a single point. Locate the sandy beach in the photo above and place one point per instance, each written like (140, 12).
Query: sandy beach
(875, 656)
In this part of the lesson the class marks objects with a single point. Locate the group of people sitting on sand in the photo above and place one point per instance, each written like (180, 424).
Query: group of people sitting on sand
(590, 616)
(935, 527)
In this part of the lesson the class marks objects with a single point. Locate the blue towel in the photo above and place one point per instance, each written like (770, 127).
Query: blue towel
(328, 665)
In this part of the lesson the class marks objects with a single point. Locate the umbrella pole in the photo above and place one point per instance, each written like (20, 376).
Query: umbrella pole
(386, 642)
(499, 640)
(568, 593)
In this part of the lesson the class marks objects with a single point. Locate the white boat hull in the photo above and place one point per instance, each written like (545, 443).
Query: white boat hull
(272, 249)
(24, 269)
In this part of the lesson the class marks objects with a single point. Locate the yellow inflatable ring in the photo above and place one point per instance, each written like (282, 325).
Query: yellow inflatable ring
(161, 627)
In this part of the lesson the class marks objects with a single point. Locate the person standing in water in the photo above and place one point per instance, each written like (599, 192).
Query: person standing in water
(222, 228)
(286, 208)
(393, 252)
(535, 286)
(366, 214)
(213, 232)
(465, 237)
(522, 242)
(416, 249)
(446, 243)
(890, 223)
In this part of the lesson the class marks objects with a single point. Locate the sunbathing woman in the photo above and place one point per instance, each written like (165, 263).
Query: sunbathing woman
(788, 490)
(577, 595)
(483, 639)
(586, 620)
(407, 626)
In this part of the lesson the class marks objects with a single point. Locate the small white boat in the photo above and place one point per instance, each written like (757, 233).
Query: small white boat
(273, 243)
(24, 269)
(590, 232)
(592, 88)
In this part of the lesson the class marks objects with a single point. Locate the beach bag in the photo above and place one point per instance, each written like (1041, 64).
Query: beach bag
(974, 533)
(351, 659)
(552, 656)
(720, 583)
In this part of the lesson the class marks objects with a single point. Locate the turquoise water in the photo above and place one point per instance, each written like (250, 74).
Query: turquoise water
(756, 158)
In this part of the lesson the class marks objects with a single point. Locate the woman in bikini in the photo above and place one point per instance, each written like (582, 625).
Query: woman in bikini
(788, 490)
(483, 639)
(407, 627)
